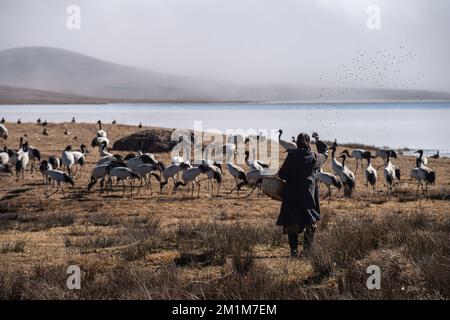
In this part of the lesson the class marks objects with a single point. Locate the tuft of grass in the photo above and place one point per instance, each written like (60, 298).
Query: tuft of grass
(140, 249)
(28, 222)
(14, 246)
(88, 243)
(102, 219)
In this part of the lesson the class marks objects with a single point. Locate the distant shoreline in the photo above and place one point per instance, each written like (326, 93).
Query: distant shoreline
(405, 151)
(107, 101)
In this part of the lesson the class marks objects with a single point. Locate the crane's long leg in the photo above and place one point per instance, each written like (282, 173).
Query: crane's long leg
(60, 186)
(140, 185)
(235, 181)
(198, 191)
(50, 194)
(131, 187)
(150, 184)
(253, 189)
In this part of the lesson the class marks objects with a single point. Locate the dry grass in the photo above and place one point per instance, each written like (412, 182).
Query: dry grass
(14, 246)
(226, 247)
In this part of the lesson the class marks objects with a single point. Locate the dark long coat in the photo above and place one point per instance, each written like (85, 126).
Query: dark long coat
(300, 205)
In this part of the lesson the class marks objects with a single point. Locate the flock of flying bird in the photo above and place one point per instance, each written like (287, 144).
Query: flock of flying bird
(142, 167)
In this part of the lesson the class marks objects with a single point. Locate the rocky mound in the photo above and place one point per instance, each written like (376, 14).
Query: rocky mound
(154, 140)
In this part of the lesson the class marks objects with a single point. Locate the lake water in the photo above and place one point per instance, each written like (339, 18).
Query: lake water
(398, 125)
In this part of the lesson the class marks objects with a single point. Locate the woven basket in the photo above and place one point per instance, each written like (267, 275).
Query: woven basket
(273, 187)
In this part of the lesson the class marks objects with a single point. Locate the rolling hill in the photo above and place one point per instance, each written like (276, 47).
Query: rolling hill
(51, 75)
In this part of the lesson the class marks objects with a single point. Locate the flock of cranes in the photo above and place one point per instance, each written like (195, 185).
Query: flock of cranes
(344, 177)
(138, 169)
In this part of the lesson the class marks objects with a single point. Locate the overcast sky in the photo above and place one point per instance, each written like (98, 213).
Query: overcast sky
(296, 42)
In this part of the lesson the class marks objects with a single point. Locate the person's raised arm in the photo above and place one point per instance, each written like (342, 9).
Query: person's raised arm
(322, 150)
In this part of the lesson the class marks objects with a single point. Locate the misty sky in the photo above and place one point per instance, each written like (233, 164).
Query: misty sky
(296, 42)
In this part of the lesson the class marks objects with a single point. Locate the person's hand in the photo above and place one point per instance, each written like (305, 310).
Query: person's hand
(322, 147)
(315, 135)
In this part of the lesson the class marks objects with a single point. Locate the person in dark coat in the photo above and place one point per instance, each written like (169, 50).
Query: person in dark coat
(300, 208)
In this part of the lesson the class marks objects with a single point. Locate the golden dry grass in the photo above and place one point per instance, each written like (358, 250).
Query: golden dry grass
(161, 246)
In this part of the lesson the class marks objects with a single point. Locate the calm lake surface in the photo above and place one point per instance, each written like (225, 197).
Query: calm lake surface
(413, 125)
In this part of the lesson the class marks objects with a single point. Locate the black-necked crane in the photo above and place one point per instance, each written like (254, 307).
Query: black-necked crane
(44, 167)
(435, 156)
(148, 158)
(347, 177)
(33, 154)
(254, 179)
(383, 153)
(214, 173)
(358, 155)
(19, 121)
(22, 159)
(423, 174)
(60, 178)
(171, 172)
(100, 172)
(73, 120)
(287, 145)
(389, 173)
(145, 172)
(100, 142)
(103, 150)
(329, 180)
(238, 174)
(255, 163)
(55, 162)
(122, 174)
(79, 157)
(370, 173)
(422, 158)
(190, 177)
(3, 133)
(3, 120)
(101, 133)
(117, 158)
(67, 159)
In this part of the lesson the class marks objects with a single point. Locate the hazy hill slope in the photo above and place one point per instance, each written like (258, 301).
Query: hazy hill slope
(17, 95)
(66, 72)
